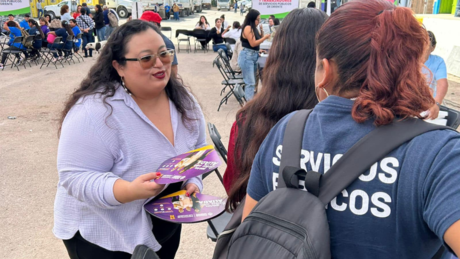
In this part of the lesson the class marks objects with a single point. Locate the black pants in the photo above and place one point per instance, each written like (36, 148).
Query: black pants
(167, 234)
(87, 37)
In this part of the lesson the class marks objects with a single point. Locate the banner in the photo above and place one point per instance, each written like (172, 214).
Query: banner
(14, 7)
(279, 8)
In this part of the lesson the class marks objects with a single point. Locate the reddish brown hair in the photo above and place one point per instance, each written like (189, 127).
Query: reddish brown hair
(378, 49)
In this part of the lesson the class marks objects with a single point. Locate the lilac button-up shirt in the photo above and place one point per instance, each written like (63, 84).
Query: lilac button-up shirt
(96, 149)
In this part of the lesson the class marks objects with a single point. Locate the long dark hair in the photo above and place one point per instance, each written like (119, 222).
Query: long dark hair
(372, 62)
(64, 9)
(98, 8)
(289, 85)
(103, 78)
(66, 26)
(34, 23)
(200, 23)
(250, 20)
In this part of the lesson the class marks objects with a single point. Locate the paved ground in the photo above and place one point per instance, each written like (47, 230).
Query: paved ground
(28, 147)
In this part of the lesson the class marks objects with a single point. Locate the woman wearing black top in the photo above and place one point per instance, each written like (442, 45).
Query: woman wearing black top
(216, 36)
(247, 59)
(35, 29)
(100, 25)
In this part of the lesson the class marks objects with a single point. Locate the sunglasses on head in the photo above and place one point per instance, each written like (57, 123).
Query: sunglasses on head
(148, 61)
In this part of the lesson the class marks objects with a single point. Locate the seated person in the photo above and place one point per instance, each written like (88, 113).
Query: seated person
(63, 32)
(216, 36)
(13, 28)
(234, 33)
(25, 23)
(35, 29)
(45, 29)
(76, 30)
(436, 73)
(203, 24)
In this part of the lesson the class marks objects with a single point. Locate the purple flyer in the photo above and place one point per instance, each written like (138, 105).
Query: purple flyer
(188, 165)
(179, 208)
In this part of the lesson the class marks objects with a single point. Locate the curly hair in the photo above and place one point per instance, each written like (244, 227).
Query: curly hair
(103, 78)
(380, 55)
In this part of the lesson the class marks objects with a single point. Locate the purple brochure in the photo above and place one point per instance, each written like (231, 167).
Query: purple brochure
(188, 165)
(179, 208)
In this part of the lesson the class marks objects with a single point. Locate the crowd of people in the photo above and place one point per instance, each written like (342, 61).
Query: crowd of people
(81, 22)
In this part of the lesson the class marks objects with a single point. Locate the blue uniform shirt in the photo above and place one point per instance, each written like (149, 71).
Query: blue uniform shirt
(400, 208)
(24, 24)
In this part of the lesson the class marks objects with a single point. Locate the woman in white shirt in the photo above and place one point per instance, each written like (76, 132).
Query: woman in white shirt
(203, 24)
(65, 13)
(234, 33)
(129, 115)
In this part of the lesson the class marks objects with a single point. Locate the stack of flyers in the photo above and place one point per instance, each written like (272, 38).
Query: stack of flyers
(188, 165)
(181, 208)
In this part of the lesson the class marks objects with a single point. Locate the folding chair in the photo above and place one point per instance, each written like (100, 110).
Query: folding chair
(76, 54)
(216, 140)
(217, 225)
(186, 33)
(48, 54)
(201, 36)
(68, 53)
(35, 60)
(167, 29)
(453, 117)
(228, 67)
(227, 82)
(13, 52)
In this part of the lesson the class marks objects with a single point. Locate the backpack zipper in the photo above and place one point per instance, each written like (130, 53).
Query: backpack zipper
(298, 232)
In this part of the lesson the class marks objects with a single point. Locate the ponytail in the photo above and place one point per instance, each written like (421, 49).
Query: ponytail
(66, 26)
(380, 57)
(34, 23)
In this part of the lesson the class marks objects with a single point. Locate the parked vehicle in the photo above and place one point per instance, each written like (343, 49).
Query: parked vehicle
(55, 10)
(206, 4)
(223, 4)
(186, 7)
(197, 6)
(122, 7)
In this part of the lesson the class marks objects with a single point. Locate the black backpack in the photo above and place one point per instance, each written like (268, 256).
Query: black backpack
(292, 223)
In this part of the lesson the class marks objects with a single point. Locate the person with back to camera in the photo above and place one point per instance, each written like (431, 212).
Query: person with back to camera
(241, 9)
(86, 25)
(35, 30)
(216, 36)
(289, 85)
(436, 73)
(15, 31)
(250, 40)
(129, 115)
(234, 33)
(407, 205)
(311, 5)
(63, 32)
(65, 13)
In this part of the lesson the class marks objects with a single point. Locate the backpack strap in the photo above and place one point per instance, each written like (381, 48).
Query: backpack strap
(371, 148)
(292, 146)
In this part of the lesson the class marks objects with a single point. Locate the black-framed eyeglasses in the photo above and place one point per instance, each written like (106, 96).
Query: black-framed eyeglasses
(148, 61)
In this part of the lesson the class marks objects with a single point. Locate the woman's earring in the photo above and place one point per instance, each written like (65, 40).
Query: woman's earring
(327, 94)
(124, 86)
(316, 93)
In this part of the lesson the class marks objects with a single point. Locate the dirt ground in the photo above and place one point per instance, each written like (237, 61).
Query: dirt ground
(28, 147)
